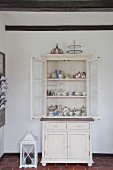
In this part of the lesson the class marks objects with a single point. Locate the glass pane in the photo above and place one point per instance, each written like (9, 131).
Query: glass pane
(93, 88)
(38, 70)
(93, 74)
(38, 106)
(38, 88)
(93, 106)
(28, 154)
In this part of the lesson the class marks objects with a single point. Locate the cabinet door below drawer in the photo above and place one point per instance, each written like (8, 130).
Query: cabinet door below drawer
(55, 145)
(78, 145)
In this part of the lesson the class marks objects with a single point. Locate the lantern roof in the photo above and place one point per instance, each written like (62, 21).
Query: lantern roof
(29, 137)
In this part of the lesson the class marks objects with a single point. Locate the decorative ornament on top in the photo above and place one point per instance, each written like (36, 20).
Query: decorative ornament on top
(57, 50)
(73, 48)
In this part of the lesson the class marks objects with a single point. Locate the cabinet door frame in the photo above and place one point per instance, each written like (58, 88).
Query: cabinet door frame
(99, 87)
(64, 133)
(87, 133)
(33, 60)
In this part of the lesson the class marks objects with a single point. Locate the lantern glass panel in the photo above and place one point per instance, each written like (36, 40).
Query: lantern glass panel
(28, 154)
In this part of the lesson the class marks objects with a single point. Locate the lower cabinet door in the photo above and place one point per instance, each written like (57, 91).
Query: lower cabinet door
(55, 145)
(78, 145)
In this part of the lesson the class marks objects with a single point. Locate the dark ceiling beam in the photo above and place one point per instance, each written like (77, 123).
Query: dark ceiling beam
(60, 28)
(56, 5)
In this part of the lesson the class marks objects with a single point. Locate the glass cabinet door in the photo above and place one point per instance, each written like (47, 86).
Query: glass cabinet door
(37, 87)
(94, 88)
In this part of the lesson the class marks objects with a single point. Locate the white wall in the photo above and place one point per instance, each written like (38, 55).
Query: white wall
(56, 18)
(2, 33)
(20, 47)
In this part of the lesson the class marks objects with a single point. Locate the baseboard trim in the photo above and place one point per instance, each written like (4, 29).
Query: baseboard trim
(12, 154)
(103, 154)
(40, 154)
(2, 157)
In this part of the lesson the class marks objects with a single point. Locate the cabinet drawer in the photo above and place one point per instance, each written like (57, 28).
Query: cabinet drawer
(73, 125)
(55, 126)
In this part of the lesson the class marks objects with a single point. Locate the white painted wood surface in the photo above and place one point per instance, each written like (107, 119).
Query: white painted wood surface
(69, 64)
(78, 145)
(66, 144)
(37, 87)
(55, 145)
(28, 150)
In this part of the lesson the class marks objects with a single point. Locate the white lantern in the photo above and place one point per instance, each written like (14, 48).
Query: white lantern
(28, 152)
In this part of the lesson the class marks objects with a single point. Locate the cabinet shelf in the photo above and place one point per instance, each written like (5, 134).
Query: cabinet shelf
(66, 79)
(66, 96)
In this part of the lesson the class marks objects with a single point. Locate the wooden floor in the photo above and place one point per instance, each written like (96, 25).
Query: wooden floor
(100, 163)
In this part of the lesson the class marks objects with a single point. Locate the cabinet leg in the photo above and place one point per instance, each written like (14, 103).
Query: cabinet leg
(44, 164)
(89, 164)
